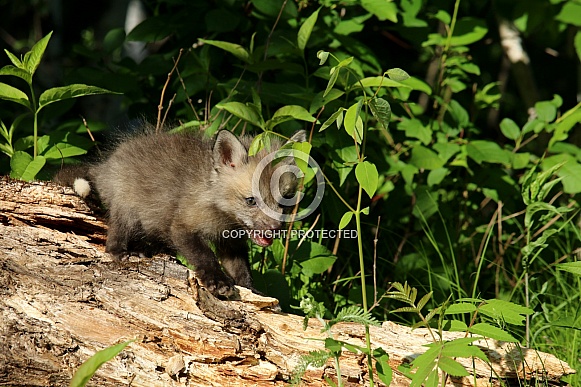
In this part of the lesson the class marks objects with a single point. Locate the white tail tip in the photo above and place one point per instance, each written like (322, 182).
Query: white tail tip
(82, 187)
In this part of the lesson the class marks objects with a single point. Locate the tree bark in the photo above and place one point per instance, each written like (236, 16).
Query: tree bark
(62, 298)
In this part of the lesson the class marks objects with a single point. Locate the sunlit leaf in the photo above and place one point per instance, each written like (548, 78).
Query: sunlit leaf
(33, 58)
(235, 49)
(89, 367)
(13, 94)
(306, 29)
(367, 176)
(57, 94)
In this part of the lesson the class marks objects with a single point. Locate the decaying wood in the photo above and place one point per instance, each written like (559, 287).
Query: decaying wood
(62, 299)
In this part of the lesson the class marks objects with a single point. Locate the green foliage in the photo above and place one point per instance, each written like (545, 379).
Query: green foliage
(56, 146)
(444, 175)
(86, 371)
(333, 347)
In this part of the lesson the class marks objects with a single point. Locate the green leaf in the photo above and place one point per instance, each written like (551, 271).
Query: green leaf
(333, 345)
(382, 366)
(570, 171)
(317, 265)
(378, 82)
(13, 94)
(17, 72)
(235, 49)
(468, 30)
(272, 8)
(460, 307)
(287, 113)
(463, 347)
(417, 84)
(33, 58)
(90, 366)
(299, 150)
(571, 267)
(71, 91)
(520, 160)
(382, 9)
(491, 331)
(436, 176)
(248, 113)
(24, 167)
(63, 150)
(15, 61)
(381, 110)
(337, 116)
(257, 144)
(443, 16)
(425, 365)
(426, 203)
(334, 72)
(306, 29)
(570, 13)
(569, 120)
(577, 43)
(452, 367)
(454, 326)
(367, 176)
(424, 300)
(506, 311)
(458, 113)
(397, 74)
(353, 122)
(546, 111)
(114, 39)
(487, 151)
(345, 62)
(319, 100)
(425, 158)
(446, 149)
(345, 219)
(414, 128)
(152, 29)
(510, 129)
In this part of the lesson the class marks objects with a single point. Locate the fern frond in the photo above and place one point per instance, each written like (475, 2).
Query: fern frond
(354, 314)
(424, 300)
(313, 358)
(406, 309)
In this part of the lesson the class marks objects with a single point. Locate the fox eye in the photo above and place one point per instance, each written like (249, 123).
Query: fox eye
(250, 201)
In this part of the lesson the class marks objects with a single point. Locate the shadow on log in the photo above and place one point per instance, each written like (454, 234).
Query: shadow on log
(62, 299)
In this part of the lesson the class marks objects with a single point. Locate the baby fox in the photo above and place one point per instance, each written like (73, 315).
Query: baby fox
(188, 191)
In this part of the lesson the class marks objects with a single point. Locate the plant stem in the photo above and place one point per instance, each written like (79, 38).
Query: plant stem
(34, 109)
(35, 135)
(363, 286)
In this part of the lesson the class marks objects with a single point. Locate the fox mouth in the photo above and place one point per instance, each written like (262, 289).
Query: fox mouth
(260, 239)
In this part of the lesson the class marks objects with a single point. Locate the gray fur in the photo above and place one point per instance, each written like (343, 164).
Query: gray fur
(185, 191)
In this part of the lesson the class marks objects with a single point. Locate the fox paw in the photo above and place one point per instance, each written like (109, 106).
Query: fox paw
(219, 285)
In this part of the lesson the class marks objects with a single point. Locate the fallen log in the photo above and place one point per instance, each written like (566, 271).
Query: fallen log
(62, 298)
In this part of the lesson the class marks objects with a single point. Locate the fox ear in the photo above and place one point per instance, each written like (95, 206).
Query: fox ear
(228, 150)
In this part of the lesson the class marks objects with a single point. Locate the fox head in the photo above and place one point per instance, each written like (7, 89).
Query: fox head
(253, 191)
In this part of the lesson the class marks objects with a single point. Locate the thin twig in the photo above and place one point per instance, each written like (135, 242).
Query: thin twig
(268, 41)
(375, 261)
(160, 106)
(187, 95)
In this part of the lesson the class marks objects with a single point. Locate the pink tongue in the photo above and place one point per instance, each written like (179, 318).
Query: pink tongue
(262, 240)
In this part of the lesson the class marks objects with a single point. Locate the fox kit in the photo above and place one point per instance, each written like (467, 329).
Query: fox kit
(187, 191)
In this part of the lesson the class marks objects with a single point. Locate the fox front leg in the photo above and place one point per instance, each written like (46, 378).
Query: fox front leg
(206, 265)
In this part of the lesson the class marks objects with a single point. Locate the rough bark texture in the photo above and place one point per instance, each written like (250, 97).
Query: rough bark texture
(62, 299)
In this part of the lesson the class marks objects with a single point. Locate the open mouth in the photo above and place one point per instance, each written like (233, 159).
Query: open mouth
(260, 239)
